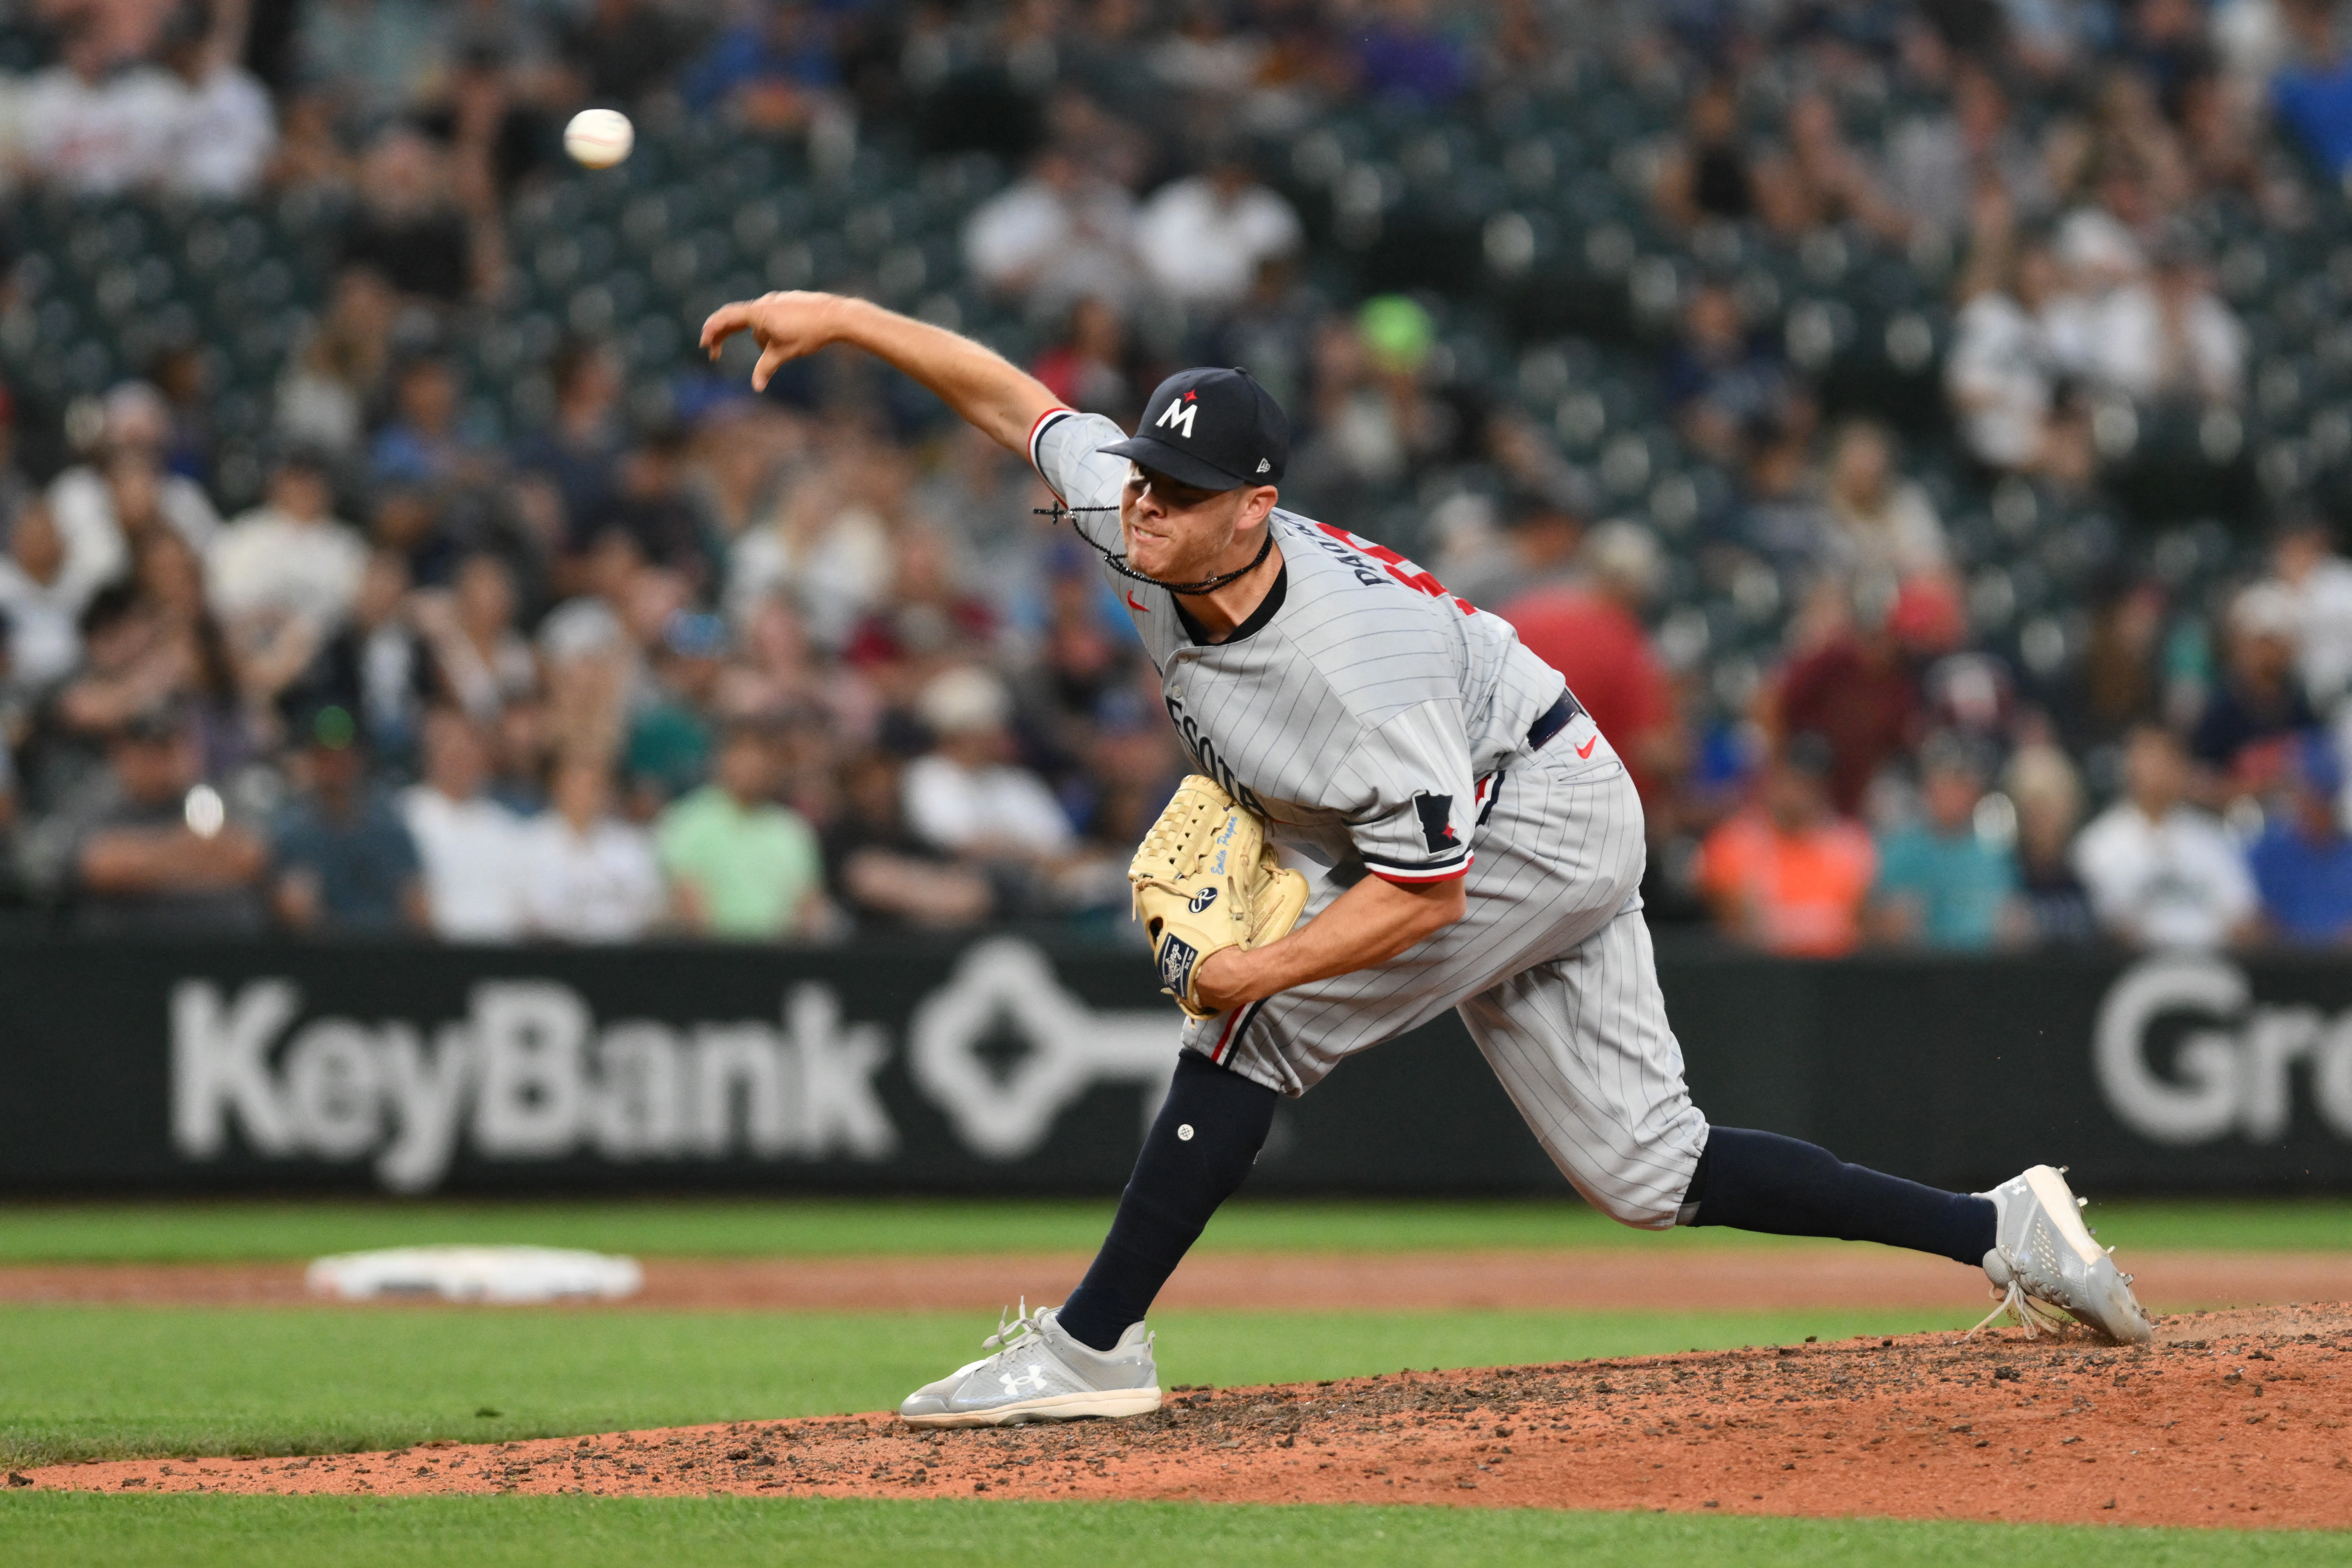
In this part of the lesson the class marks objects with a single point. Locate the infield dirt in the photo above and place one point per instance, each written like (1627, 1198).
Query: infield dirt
(1731, 1279)
(2231, 1418)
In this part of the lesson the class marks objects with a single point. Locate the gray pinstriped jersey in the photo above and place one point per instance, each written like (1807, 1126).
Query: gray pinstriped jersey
(1358, 718)
(1377, 723)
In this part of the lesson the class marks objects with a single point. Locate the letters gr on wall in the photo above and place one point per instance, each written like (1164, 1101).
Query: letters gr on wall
(2235, 1071)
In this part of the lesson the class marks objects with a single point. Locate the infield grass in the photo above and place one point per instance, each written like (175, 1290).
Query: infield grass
(55, 1531)
(126, 1382)
(226, 1231)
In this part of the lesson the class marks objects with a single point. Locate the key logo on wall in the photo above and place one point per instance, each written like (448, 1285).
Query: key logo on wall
(529, 1073)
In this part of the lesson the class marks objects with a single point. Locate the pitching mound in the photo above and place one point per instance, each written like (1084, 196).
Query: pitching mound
(2232, 1418)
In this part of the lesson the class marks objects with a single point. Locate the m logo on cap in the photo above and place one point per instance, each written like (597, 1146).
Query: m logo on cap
(1178, 416)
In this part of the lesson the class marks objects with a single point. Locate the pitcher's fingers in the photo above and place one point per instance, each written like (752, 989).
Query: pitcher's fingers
(724, 323)
(771, 358)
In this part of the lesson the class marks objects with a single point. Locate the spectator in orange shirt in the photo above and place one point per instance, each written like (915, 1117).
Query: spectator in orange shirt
(1788, 874)
(1590, 631)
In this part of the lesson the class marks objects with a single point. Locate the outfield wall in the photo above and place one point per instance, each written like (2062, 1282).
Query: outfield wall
(1007, 1065)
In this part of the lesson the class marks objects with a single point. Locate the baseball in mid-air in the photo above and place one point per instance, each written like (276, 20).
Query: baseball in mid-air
(599, 138)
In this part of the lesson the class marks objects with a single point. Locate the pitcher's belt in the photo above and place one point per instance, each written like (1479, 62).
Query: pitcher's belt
(1552, 721)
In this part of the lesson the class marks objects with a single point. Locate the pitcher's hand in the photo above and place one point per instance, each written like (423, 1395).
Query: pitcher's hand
(785, 326)
(1225, 980)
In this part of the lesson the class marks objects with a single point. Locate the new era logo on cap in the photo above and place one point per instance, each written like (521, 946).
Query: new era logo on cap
(1212, 429)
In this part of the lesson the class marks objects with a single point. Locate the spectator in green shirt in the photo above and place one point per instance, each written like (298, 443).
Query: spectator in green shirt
(740, 866)
(1942, 883)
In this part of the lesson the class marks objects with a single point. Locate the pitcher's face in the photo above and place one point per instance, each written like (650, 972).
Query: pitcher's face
(1178, 533)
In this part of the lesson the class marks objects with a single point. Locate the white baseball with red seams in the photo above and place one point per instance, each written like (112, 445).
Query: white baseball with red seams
(599, 138)
(1379, 726)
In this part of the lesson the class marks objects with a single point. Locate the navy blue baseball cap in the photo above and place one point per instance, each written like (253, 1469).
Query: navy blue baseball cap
(1214, 429)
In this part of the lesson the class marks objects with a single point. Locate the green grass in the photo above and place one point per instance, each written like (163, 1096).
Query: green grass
(120, 1382)
(97, 1382)
(194, 1231)
(55, 1531)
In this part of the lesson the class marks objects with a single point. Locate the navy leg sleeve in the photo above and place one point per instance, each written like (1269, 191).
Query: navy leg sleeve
(1761, 1181)
(1203, 1142)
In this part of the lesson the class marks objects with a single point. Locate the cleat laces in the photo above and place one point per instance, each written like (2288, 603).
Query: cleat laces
(1013, 1331)
(2026, 1310)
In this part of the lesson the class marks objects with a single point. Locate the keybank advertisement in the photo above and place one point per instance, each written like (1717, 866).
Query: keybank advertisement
(1006, 1065)
(529, 1072)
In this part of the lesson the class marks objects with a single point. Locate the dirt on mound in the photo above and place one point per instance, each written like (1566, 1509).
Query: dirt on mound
(2232, 1418)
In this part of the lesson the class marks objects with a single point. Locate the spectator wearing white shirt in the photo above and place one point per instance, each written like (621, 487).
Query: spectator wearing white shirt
(282, 577)
(2161, 874)
(588, 876)
(2003, 373)
(289, 557)
(2002, 378)
(98, 505)
(1938, 163)
(2318, 586)
(92, 126)
(965, 796)
(39, 600)
(2167, 337)
(227, 129)
(1058, 236)
(1203, 238)
(1884, 521)
(471, 845)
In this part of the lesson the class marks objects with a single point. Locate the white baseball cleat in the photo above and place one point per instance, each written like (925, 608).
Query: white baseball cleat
(1041, 1373)
(2043, 1261)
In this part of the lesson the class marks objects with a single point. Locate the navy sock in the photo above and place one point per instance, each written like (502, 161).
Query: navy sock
(1202, 1143)
(1761, 1181)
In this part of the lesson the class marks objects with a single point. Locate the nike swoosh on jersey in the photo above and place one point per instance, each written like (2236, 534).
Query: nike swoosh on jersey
(1585, 751)
(1139, 610)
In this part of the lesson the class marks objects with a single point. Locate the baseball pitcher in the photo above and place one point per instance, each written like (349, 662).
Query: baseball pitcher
(1397, 809)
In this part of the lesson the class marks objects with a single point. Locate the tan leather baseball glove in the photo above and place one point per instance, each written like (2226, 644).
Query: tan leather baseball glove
(1206, 880)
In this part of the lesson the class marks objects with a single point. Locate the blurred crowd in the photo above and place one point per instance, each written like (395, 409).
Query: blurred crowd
(550, 691)
(794, 666)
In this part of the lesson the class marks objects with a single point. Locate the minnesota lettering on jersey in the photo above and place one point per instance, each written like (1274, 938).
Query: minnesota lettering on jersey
(1203, 752)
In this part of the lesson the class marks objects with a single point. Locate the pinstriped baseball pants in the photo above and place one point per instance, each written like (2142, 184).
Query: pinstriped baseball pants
(1551, 969)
